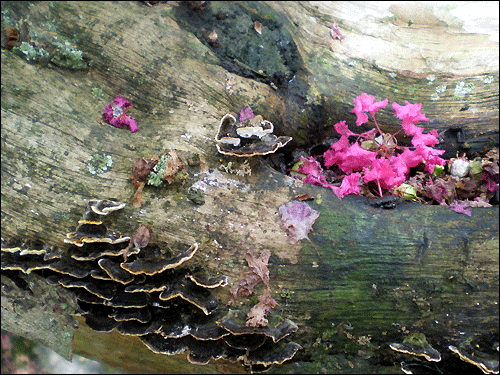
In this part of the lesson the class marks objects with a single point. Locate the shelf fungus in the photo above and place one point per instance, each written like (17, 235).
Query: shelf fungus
(131, 285)
(416, 344)
(254, 136)
(481, 351)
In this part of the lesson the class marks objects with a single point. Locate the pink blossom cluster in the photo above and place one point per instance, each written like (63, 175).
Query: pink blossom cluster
(375, 156)
(115, 114)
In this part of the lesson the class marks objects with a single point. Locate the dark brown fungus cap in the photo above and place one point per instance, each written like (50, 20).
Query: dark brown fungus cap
(141, 315)
(158, 344)
(152, 296)
(71, 267)
(25, 263)
(114, 271)
(200, 352)
(416, 344)
(148, 287)
(54, 253)
(135, 328)
(174, 331)
(209, 282)
(206, 303)
(104, 206)
(99, 250)
(53, 279)
(157, 265)
(99, 274)
(227, 128)
(87, 233)
(101, 323)
(274, 354)
(481, 351)
(103, 289)
(208, 332)
(129, 300)
(245, 341)
(282, 330)
(91, 229)
(87, 297)
(249, 138)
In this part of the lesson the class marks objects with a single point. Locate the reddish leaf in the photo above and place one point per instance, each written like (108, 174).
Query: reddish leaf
(257, 315)
(297, 219)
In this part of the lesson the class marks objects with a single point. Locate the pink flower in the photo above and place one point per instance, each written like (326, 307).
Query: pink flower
(246, 113)
(335, 32)
(333, 155)
(382, 172)
(430, 156)
(115, 114)
(491, 185)
(460, 207)
(351, 184)
(366, 103)
(314, 172)
(410, 158)
(355, 158)
(410, 114)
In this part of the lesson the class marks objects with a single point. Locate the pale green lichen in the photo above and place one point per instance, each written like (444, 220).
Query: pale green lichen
(487, 80)
(440, 89)
(431, 79)
(434, 96)
(156, 176)
(286, 293)
(99, 163)
(69, 57)
(29, 52)
(242, 170)
(462, 89)
(97, 92)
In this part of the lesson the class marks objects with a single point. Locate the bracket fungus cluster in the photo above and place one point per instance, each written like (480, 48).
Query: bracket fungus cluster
(481, 351)
(251, 137)
(133, 287)
(416, 344)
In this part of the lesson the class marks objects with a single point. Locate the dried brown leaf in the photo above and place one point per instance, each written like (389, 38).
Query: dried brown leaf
(257, 315)
(173, 166)
(259, 265)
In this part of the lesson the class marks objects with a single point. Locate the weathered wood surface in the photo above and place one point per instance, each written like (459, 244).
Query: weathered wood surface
(377, 273)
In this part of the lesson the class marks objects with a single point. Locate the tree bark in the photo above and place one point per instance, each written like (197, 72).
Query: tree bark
(382, 274)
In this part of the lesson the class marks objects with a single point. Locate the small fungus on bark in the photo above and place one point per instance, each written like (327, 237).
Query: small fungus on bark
(253, 136)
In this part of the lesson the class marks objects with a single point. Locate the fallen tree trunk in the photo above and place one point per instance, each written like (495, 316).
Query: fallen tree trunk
(383, 274)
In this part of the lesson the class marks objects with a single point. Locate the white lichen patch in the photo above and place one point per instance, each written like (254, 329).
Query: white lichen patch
(216, 179)
(99, 163)
(440, 89)
(462, 89)
(434, 96)
(242, 169)
(487, 80)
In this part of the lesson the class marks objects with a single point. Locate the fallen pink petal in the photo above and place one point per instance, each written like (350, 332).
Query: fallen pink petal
(335, 32)
(246, 113)
(366, 103)
(115, 114)
(460, 207)
(409, 113)
(297, 219)
(351, 184)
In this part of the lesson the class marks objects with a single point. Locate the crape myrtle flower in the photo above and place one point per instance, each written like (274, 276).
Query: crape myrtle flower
(115, 113)
(246, 113)
(375, 158)
(366, 103)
